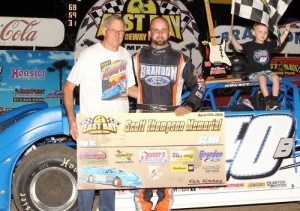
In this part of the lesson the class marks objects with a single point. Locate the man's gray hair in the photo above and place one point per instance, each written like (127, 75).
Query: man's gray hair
(112, 17)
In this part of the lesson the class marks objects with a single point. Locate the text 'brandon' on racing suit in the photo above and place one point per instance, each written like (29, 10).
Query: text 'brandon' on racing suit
(161, 75)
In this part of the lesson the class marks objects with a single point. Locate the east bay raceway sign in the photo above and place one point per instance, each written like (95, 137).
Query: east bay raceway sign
(138, 15)
(158, 150)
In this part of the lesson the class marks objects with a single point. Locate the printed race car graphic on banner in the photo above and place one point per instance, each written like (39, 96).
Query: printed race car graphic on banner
(109, 176)
(107, 142)
(137, 15)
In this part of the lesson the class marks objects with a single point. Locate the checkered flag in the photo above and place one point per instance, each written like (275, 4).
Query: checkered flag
(170, 9)
(86, 121)
(267, 12)
(95, 15)
(112, 120)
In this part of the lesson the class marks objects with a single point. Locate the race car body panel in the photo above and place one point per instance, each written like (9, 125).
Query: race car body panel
(20, 128)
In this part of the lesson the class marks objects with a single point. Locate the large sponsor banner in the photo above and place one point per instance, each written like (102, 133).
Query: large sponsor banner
(261, 165)
(137, 15)
(123, 151)
(32, 76)
(244, 34)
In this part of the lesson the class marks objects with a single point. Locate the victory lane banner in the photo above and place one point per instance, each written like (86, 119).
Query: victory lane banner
(151, 150)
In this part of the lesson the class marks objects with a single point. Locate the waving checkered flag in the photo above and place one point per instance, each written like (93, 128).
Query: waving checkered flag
(87, 121)
(267, 12)
(112, 120)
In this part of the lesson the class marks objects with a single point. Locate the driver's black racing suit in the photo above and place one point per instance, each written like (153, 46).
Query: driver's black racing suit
(161, 75)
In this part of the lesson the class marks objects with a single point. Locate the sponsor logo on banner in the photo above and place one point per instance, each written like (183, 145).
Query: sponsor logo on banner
(34, 74)
(55, 94)
(23, 31)
(125, 156)
(154, 173)
(210, 156)
(153, 156)
(182, 168)
(211, 169)
(276, 184)
(137, 15)
(28, 92)
(235, 186)
(256, 185)
(185, 155)
(99, 125)
(92, 156)
(28, 95)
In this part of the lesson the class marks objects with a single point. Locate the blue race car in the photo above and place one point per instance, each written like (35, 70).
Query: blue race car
(109, 176)
(35, 145)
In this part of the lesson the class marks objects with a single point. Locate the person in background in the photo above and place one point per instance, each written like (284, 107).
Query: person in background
(161, 73)
(259, 57)
(101, 68)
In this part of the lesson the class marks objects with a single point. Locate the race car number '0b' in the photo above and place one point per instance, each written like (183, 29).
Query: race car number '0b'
(252, 141)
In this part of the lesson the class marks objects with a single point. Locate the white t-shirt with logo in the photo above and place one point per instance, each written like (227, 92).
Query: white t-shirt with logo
(104, 77)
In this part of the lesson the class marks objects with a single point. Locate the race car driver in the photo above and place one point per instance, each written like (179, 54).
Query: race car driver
(161, 74)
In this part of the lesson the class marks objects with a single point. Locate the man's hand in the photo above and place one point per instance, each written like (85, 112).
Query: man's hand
(182, 110)
(73, 130)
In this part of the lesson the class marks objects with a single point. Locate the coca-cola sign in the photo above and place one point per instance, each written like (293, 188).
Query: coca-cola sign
(19, 31)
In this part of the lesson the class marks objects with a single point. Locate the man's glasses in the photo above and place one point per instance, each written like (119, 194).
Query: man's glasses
(114, 32)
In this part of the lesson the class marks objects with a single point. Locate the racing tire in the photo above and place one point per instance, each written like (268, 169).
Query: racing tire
(117, 182)
(46, 179)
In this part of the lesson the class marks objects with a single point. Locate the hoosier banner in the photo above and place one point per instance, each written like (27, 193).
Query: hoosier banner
(124, 151)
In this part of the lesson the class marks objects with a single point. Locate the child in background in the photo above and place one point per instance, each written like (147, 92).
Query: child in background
(259, 56)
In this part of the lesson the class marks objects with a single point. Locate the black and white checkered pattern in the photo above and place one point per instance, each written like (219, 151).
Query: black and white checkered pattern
(90, 121)
(86, 121)
(112, 120)
(116, 6)
(267, 12)
(170, 9)
(95, 15)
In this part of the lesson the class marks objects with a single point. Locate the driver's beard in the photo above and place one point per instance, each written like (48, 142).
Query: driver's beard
(161, 42)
